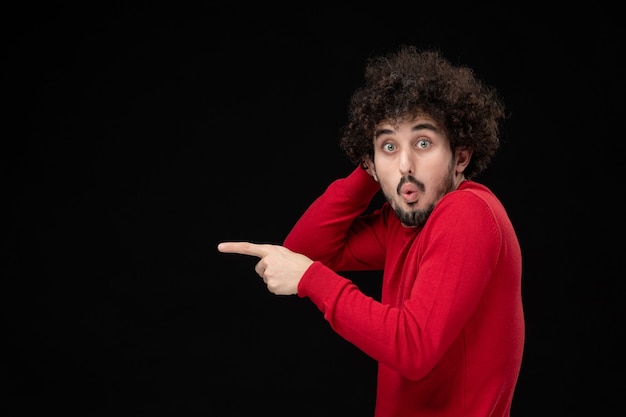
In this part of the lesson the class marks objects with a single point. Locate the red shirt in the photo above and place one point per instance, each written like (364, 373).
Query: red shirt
(448, 332)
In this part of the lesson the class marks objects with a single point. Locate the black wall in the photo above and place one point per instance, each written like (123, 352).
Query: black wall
(139, 137)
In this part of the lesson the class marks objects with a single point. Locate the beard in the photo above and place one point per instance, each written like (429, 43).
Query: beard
(417, 217)
(413, 218)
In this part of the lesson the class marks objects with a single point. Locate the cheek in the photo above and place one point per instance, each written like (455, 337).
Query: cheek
(436, 171)
(388, 192)
(388, 184)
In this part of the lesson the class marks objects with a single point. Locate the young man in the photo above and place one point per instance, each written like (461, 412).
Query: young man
(448, 332)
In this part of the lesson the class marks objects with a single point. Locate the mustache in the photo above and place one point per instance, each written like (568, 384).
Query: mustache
(412, 180)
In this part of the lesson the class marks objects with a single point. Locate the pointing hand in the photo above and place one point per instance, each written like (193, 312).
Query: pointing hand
(280, 268)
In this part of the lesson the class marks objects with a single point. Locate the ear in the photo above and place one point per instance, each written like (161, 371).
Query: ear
(462, 156)
(369, 166)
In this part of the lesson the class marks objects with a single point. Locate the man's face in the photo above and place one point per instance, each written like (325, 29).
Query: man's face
(415, 167)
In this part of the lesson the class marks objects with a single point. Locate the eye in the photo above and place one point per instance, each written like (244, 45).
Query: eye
(389, 147)
(423, 144)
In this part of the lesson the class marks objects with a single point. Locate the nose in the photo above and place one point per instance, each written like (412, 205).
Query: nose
(406, 163)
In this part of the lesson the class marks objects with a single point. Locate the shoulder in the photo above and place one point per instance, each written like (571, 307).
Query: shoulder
(470, 195)
(471, 206)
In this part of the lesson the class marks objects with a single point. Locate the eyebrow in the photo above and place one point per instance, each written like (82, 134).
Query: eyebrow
(419, 126)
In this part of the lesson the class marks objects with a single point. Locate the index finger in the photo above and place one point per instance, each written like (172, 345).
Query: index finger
(244, 248)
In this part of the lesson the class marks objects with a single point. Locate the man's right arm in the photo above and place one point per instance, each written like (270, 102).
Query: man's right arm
(321, 231)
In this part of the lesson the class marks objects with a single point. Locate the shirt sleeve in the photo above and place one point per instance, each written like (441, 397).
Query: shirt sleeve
(453, 259)
(324, 231)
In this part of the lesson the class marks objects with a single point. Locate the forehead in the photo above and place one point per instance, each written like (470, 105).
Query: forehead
(420, 118)
(417, 122)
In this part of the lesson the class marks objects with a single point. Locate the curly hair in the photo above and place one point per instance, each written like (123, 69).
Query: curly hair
(410, 82)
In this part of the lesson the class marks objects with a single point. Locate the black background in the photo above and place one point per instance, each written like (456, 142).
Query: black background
(139, 137)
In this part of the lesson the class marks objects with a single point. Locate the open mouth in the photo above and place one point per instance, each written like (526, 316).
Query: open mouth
(409, 193)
